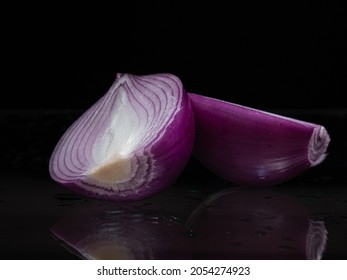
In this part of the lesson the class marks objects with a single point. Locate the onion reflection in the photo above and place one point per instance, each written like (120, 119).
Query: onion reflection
(105, 230)
(248, 223)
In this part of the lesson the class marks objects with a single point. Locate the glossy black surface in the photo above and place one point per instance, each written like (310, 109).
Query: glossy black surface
(31, 204)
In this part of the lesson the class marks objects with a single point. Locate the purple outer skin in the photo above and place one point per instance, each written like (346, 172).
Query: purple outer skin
(173, 151)
(252, 147)
(171, 154)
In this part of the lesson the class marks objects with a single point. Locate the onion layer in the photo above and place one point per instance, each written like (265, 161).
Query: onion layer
(253, 147)
(131, 143)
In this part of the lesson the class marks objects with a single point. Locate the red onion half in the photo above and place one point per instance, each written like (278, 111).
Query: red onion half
(131, 143)
(253, 147)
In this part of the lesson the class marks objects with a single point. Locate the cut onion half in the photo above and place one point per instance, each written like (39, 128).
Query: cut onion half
(131, 143)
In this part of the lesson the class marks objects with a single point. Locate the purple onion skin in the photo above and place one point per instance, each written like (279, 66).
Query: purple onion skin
(253, 147)
(251, 223)
(175, 150)
(105, 230)
(165, 158)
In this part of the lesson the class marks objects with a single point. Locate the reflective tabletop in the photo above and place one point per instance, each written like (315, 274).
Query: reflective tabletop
(200, 216)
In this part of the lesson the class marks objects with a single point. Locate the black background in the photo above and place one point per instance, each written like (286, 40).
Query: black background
(263, 55)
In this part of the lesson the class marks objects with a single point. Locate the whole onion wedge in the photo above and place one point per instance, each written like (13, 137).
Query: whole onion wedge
(131, 143)
(252, 147)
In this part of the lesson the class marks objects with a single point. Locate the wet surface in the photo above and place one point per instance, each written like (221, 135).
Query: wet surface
(200, 216)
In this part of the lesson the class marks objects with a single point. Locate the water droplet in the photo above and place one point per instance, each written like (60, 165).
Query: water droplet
(112, 212)
(154, 218)
(260, 232)
(190, 234)
(174, 218)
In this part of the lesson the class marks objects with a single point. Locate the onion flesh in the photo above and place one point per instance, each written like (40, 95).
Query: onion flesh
(131, 143)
